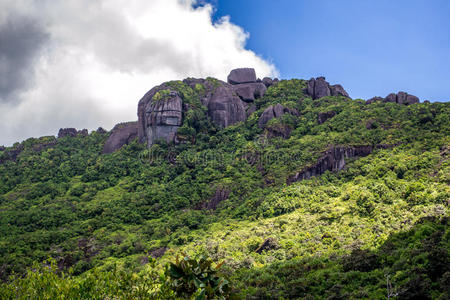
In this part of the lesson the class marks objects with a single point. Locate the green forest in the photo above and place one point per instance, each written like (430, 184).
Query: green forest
(217, 216)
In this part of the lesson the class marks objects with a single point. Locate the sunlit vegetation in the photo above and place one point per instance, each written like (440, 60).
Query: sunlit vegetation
(77, 223)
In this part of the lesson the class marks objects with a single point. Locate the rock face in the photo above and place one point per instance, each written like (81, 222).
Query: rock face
(400, 98)
(163, 117)
(242, 75)
(319, 87)
(334, 160)
(220, 195)
(122, 134)
(225, 109)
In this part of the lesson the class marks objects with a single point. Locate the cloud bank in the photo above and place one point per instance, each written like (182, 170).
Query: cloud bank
(86, 63)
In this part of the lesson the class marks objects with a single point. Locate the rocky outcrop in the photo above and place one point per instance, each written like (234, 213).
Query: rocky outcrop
(100, 130)
(122, 134)
(160, 111)
(163, 117)
(319, 87)
(241, 75)
(324, 116)
(334, 160)
(72, 132)
(400, 98)
(10, 154)
(274, 111)
(338, 90)
(63, 132)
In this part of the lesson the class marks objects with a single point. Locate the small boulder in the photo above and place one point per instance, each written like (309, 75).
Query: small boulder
(251, 109)
(100, 130)
(324, 116)
(83, 132)
(158, 252)
(268, 244)
(267, 81)
(242, 75)
(266, 116)
(374, 99)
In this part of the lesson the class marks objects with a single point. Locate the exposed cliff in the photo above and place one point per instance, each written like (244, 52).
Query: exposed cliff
(334, 159)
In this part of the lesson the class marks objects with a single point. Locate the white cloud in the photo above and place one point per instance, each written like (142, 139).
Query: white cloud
(102, 56)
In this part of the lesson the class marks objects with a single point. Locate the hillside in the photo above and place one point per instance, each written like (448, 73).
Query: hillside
(299, 190)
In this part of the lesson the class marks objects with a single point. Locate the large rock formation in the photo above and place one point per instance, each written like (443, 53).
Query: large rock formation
(400, 98)
(163, 116)
(319, 87)
(160, 111)
(122, 134)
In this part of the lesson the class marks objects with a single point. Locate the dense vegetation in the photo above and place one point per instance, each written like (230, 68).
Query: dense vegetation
(378, 229)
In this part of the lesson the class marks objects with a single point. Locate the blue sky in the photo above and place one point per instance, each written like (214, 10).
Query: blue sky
(372, 48)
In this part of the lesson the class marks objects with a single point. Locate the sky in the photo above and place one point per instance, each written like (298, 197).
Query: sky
(86, 63)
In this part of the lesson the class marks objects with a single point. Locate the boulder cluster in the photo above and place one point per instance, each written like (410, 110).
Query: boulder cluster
(319, 87)
(400, 98)
(160, 111)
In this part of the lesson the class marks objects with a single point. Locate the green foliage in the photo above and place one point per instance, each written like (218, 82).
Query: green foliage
(196, 277)
(161, 95)
(63, 199)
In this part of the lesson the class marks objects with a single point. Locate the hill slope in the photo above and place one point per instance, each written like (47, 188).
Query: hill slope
(331, 197)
